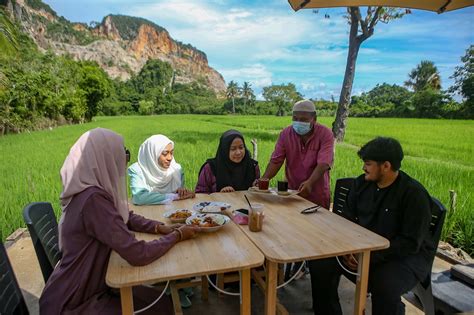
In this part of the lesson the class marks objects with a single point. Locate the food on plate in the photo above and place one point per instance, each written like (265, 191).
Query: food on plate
(212, 208)
(207, 222)
(181, 214)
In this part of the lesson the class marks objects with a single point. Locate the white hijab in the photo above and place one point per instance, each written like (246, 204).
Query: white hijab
(158, 178)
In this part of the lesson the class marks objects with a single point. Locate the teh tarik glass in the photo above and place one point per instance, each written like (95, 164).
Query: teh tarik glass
(256, 217)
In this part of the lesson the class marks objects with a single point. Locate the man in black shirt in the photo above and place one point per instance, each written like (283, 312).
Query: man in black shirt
(390, 203)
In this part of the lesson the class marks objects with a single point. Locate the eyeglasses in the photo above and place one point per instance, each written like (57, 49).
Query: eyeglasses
(127, 154)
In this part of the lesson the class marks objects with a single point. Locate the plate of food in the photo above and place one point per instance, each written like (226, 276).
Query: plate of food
(178, 215)
(211, 206)
(258, 190)
(208, 222)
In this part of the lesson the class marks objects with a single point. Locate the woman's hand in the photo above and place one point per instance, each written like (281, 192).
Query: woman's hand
(184, 193)
(188, 231)
(228, 189)
(166, 229)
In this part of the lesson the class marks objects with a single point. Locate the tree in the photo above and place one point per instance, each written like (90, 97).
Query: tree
(96, 86)
(232, 92)
(282, 96)
(424, 75)
(360, 30)
(464, 76)
(247, 93)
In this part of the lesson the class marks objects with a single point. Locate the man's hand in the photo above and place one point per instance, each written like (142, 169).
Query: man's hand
(305, 188)
(228, 189)
(350, 261)
(184, 193)
(255, 182)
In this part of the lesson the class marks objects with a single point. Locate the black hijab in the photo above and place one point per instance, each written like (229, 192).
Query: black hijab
(238, 175)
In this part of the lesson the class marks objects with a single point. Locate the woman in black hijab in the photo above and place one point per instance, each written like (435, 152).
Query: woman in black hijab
(232, 169)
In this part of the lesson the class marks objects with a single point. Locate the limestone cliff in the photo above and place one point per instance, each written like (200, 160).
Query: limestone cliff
(121, 45)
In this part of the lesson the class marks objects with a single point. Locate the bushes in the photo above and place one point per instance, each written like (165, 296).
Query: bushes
(38, 86)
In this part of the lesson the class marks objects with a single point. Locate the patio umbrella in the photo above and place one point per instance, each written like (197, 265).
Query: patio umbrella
(439, 6)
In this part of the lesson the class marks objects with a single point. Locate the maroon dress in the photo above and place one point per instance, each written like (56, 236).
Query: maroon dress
(92, 227)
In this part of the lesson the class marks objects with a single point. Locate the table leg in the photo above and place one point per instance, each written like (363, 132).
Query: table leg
(204, 288)
(362, 282)
(126, 298)
(175, 299)
(245, 292)
(271, 290)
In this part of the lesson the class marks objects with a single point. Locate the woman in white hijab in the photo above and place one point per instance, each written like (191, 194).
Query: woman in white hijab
(156, 178)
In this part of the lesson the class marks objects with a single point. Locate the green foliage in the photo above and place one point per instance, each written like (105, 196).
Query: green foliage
(64, 31)
(395, 101)
(283, 96)
(154, 74)
(42, 90)
(40, 5)
(425, 75)
(128, 26)
(95, 85)
(464, 82)
(8, 34)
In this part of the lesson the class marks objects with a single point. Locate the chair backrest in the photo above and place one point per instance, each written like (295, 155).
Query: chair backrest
(11, 299)
(343, 186)
(41, 222)
(438, 214)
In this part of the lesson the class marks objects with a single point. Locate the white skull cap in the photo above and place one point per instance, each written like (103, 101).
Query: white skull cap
(304, 106)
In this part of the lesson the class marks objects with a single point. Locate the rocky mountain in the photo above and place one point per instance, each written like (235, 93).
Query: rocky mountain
(120, 44)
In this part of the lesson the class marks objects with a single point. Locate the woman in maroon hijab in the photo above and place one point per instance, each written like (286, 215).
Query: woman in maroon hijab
(95, 220)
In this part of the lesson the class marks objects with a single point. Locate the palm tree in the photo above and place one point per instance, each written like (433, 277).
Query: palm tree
(232, 92)
(8, 41)
(247, 92)
(424, 75)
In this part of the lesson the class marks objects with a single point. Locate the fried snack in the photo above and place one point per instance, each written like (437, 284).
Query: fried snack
(181, 214)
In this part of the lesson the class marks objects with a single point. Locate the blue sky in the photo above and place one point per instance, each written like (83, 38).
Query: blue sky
(266, 42)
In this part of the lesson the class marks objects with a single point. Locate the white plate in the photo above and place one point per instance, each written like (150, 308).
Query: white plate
(211, 206)
(274, 192)
(218, 218)
(168, 214)
(288, 193)
(260, 191)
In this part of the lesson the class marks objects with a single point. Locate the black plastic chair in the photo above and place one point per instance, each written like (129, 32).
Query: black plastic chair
(423, 289)
(438, 213)
(341, 191)
(11, 299)
(41, 222)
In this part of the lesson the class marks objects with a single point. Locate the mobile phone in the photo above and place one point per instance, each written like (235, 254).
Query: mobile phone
(243, 211)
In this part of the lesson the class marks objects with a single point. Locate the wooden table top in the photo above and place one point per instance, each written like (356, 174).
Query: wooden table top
(289, 236)
(225, 250)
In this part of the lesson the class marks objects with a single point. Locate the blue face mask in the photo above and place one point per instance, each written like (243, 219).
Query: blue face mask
(301, 128)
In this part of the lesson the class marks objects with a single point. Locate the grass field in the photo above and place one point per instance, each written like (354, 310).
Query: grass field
(439, 153)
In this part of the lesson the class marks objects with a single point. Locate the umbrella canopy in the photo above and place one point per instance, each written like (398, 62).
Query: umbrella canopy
(439, 6)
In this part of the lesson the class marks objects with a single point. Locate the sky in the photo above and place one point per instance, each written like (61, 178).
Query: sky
(266, 42)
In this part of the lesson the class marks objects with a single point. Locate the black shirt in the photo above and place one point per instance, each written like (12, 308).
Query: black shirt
(401, 213)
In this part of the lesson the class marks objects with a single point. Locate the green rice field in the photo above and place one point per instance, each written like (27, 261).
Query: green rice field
(438, 153)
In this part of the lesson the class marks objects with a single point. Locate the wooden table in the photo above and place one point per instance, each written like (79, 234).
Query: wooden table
(209, 253)
(289, 236)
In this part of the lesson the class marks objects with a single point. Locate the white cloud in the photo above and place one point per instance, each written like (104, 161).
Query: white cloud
(257, 75)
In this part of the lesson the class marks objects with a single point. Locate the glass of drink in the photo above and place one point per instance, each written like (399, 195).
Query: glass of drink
(256, 217)
(263, 183)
